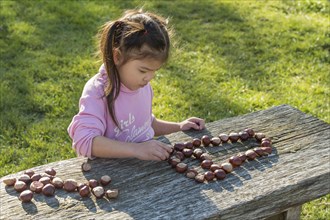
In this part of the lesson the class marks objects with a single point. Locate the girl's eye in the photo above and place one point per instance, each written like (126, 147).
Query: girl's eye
(143, 71)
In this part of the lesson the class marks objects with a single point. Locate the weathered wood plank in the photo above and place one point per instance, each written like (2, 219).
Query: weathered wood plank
(296, 172)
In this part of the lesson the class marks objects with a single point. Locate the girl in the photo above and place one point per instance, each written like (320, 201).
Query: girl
(115, 118)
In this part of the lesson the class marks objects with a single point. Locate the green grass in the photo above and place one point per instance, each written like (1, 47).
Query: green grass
(236, 56)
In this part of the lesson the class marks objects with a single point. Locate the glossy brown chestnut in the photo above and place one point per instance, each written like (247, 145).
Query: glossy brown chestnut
(181, 167)
(173, 161)
(20, 186)
(233, 137)
(45, 180)
(250, 132)
(85, 167)
(191, 173)
(260, 152)
(179, 146)
(70, 185)
(267, 150)
(57, 182)
(259, 136)
(84, 191)
(50, 171)
(98, 192)
(220, 174)
(93, 183)
(9, 181)
(26, 196)
(112, 193)
(227, 167)
(48, 190)
(187, 152)
(209, 175)
(81, 185)
(224, 137)
(36, 186)
(196, 142)
(189, 145)
(214, 167)
(36, 177)
(200, 178)
(265, 144)
(197, 153)
(206, 164)
(243, 135)
(215, 141)
(235, 161)
(179, 155)
(242, 156)
(105, 180)
(251, 155)
(205, 156)
(25, 178)
(266, 139)
(206, 140)
(29, 172)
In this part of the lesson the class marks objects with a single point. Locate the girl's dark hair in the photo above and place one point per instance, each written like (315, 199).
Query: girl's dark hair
(137, 35)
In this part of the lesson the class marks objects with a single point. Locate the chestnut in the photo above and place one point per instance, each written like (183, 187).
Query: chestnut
(174, 161)
(200, 178)
(98, 192)
(25, 178)
(260, 152)
(251, 155)
(50, 171)
(45, 180)
(47, 175)
(30, 173)
(267, 150)
(224, 137)
(26, 196)
(85, 167)
(214, 167)
(206, 164)
(189, 145)
(250, 132)
(233, 137)
(265, 144)
(215, 141)
(181, 167)
(9, 181)
(242, 156)
(105, 180)
(48, 190)
(187, 152)
(209, 175)
(84, 191)
(220, 174)
(235, 161)
(93, 183)
(36, 186)
(206, 140)
(227, 167)
(58, 183)
(179, 146)
(191, 173)
(205, 156)
(36, 177)
(20, 186)
(70, 185)
(243, 135)
(259, 136)
(197, 153)
(81, 185)
(179, 155)
(196, 142)
(112, 193)
(266, 139)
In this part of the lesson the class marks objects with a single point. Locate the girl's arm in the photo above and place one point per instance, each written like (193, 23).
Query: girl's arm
(149, 150)
(165, 127)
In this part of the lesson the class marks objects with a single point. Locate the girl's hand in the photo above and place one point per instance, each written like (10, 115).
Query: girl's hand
(195, 123)
(153, 150)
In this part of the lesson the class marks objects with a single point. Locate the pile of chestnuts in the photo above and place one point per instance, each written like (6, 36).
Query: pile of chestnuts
(47, 183)
(192, 149)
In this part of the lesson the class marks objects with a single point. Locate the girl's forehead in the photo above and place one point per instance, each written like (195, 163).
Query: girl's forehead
(147, 63)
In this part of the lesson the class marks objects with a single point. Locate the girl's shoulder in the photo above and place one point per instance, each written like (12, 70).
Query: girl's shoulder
(95, 86)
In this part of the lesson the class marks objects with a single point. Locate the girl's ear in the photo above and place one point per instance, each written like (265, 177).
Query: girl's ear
(117, 58)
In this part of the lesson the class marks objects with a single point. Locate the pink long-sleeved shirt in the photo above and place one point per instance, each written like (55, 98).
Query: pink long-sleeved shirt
(133, 111)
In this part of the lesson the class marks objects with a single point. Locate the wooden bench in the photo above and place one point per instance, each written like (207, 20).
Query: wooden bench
(272, 187)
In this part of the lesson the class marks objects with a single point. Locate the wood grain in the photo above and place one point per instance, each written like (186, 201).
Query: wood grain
(296, 172)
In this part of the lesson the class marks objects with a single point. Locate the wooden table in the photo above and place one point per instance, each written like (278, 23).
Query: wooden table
(296, 172)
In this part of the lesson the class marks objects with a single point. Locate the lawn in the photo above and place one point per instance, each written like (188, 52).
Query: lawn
(230, 58)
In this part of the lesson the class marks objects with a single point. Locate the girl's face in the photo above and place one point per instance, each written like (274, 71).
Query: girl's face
(135, 74)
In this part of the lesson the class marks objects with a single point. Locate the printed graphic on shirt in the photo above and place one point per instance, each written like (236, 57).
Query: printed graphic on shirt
(133, 133)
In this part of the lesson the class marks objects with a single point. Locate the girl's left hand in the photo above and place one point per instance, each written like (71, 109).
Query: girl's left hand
(193, 122)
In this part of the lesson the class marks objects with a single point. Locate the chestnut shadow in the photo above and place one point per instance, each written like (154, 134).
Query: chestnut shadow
(51, 201)
(30, 208)
(11, 191)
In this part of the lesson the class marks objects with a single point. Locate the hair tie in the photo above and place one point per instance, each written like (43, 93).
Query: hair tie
(145, 32)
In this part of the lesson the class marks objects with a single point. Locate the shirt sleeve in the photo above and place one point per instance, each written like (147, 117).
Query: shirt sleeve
(89, 122)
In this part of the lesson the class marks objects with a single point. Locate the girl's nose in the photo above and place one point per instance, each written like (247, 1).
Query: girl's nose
(149, 76)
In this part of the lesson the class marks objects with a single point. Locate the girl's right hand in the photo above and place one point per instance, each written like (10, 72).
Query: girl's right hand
(153, 150)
